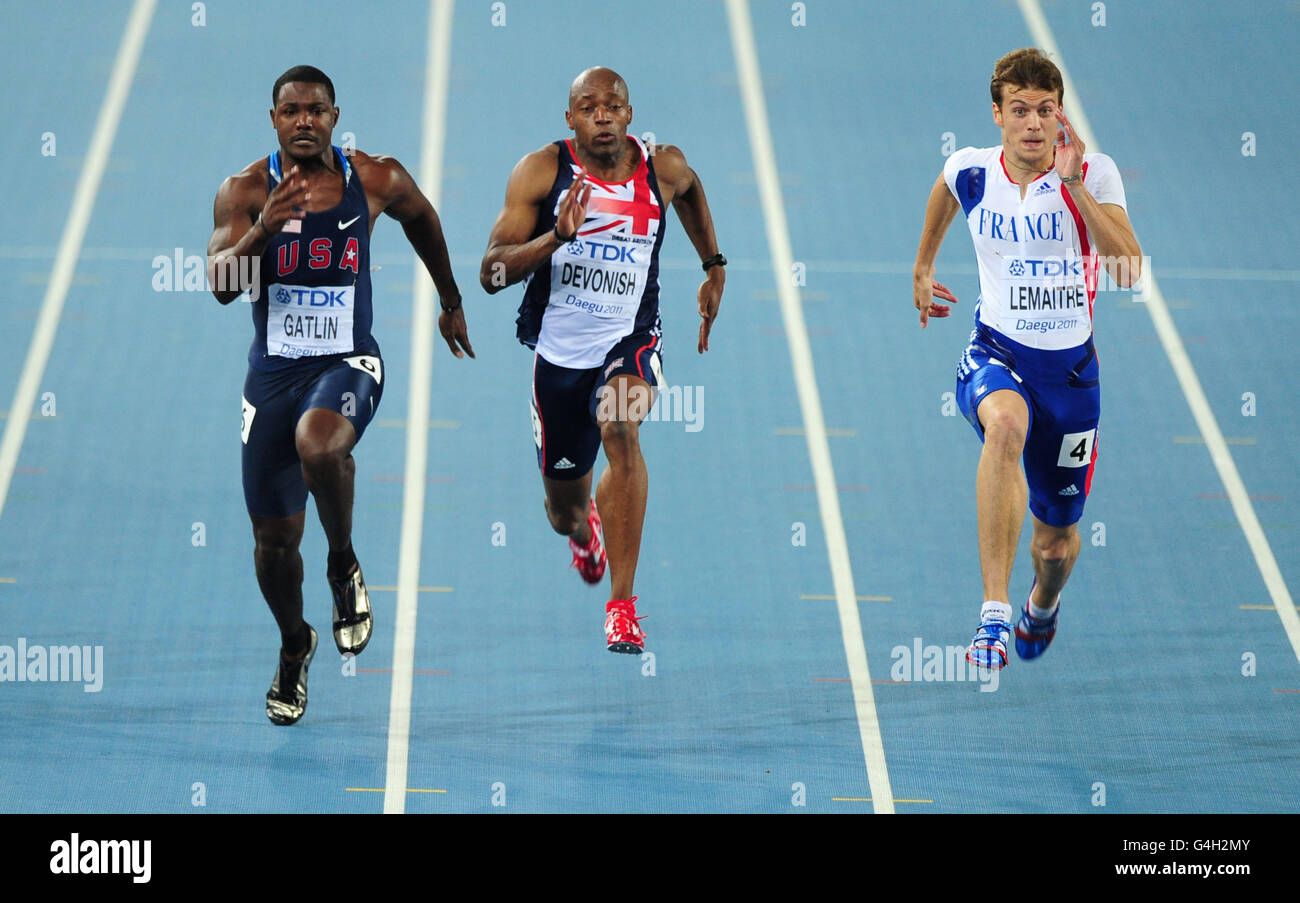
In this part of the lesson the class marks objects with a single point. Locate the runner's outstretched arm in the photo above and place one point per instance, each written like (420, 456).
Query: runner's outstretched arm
(693, 210)
(939, 213)
(408, 205)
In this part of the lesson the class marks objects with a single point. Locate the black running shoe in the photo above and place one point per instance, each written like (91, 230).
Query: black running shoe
(352, 621)
(287, 698)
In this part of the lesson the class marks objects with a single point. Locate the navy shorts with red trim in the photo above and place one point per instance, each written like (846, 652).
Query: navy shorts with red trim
(275, 400)
(1062, 391)
(565, 401)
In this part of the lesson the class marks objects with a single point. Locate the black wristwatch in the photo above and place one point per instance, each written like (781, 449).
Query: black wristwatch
(717, 260)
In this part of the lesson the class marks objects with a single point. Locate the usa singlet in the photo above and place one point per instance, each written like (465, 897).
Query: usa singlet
(314, 297)
(604, 285)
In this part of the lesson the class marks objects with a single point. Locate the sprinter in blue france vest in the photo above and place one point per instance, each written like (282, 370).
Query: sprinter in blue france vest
(1044, 215)
(315, 374)
(582, 226)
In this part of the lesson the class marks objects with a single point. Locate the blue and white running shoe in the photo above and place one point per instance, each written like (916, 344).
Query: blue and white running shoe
(1034, 635)
(988, 649)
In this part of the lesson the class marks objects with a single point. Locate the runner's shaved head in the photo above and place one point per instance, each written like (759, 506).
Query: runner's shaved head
(597, 77)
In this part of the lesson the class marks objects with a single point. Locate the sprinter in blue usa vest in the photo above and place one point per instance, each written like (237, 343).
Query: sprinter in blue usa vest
(315, 374)
(582, 226)
(1043, 214)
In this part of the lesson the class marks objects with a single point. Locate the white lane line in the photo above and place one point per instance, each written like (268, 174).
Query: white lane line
(83, 204)
(778, 239)
(1182, 364)
(417, 418)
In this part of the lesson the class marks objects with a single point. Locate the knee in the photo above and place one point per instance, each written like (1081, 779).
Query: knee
(564, 520)
(620, 438)
(273, 544)
(624, 400)
(321, 458)
(1004, 430)
(1056, 548)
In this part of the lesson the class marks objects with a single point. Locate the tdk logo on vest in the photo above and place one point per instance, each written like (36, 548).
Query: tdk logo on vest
(306, 296)
(1051, 266)
(599, 251)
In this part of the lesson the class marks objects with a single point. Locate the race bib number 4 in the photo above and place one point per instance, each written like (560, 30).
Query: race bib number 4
(306, 321)
(1076, 449)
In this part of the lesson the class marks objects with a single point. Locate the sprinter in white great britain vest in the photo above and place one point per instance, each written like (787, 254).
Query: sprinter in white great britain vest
(582, 226)
(604, 285)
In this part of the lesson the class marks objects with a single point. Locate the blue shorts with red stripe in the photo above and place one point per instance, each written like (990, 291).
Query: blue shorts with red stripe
(1062, 390)
(565, 402)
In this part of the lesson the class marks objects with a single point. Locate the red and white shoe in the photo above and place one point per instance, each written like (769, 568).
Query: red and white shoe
(590, 559)
(622, 627)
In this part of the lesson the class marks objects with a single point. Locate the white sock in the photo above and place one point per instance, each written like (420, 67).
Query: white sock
(1043, 614)
(995, 609)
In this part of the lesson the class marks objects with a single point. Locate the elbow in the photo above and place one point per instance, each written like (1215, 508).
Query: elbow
(1131, 275)
(492, 276)
(229, 277)
(223, 296)
(1124, 272)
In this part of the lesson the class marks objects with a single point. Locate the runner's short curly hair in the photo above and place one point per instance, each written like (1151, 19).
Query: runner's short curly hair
(1028, 67)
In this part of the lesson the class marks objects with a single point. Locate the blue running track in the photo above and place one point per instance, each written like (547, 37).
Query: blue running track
(1171, 686)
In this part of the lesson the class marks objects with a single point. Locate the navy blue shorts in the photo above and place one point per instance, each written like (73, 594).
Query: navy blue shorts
(1062, 391)
(565, 402)
(274, 401)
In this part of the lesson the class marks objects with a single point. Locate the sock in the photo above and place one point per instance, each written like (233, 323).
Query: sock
(1043, 614)
(995, 609)
(340, 563)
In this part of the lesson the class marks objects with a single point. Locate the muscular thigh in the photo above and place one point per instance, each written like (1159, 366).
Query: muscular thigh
(980, 375)
(351, 387)
(273, 403)
(564, 431)
(629, 379)
(1061, 449)
(272, 473)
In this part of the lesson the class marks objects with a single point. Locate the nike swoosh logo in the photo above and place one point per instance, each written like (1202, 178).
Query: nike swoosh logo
(343, 225)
